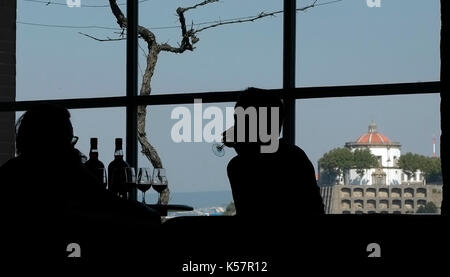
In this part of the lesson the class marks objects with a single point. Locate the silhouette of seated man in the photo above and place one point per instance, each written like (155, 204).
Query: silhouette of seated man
(268, 177)
(46, 190)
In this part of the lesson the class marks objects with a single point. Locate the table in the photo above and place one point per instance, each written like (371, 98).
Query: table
(163, 209)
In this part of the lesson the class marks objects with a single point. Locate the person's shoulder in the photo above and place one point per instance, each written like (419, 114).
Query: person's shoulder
(233, 163)
(290, 149)
(241, 163)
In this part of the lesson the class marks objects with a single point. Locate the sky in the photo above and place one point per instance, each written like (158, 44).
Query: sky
(343, 43)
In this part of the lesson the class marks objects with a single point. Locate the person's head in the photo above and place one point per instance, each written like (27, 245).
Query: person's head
(258, 119)
(44, 129)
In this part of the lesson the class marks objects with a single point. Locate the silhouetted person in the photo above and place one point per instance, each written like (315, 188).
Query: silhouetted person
(269, 179)
(47, 195)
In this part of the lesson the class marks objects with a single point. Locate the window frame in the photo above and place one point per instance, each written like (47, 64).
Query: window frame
(289, 92)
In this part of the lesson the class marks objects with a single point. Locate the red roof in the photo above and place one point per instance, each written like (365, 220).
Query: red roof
(373, 137)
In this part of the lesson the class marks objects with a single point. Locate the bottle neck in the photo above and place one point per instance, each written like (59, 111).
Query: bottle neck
(118, 154)
(93, 154)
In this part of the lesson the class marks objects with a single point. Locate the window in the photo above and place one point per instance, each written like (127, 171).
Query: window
(324, 119)
(371, 192)
(396, 204)
(371, 204)
(104, 124)
(346, 204)
(199, 182)
(348, 43)
(421, 192)
(409, 204)
(396, 193)
(359, 204)
(384, 204)
(55, 61)
(325, 124)
(230, 57)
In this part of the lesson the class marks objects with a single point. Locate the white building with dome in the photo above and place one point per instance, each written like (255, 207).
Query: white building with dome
(384, 189)
(388, 154)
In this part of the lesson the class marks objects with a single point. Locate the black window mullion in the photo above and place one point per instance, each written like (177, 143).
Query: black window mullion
(289, 29)
(231, 96)
(132, 84)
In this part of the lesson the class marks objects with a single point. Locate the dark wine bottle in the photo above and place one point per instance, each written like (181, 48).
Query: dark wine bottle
(116, 173)
(94, 165)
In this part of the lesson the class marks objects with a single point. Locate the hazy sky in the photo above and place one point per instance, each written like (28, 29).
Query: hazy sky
(337, 44)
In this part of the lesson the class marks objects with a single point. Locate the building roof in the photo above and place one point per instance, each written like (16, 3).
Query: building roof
(373, 137)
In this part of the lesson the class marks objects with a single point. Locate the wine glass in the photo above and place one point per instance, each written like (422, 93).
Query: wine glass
(218, 149)
(129, 178)
(159, 181)
(144, 181)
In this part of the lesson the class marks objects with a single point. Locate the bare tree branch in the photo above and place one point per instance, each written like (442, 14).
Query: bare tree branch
(168, 48)
(153, 51)
(145, 33)
(102, 40)
(188, 38)
(198, 5)
(256, 17)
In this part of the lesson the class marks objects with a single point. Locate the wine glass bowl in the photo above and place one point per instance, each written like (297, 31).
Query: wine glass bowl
(130, 178)
(159, 181)
(144, 181)
(218, 149)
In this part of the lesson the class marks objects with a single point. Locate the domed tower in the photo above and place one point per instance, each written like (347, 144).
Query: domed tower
(387, 152)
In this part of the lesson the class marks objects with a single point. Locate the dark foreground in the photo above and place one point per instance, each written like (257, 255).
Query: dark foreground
(189, 244)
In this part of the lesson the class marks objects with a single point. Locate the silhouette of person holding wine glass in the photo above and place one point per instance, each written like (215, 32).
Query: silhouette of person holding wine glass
(47, 193)
(270, 184)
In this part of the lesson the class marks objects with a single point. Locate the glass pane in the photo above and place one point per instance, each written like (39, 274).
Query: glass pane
(348, 43)
(55, 61)
(386, 178)
(104, 124)
(196, 176)
(228, 57)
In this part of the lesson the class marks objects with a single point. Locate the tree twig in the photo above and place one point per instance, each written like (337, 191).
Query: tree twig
(258, 16)
(102, 40)
(198, 5)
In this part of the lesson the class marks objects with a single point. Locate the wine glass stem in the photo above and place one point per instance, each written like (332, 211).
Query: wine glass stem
(143, 197)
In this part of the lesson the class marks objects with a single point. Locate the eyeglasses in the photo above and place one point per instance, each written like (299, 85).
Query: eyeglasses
(74, 140)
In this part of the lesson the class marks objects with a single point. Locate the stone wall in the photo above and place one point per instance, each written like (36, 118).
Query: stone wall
(402, 199)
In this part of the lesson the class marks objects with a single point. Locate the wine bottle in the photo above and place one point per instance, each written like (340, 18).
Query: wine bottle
(116, 173)
(94, 165)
